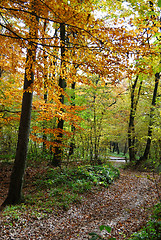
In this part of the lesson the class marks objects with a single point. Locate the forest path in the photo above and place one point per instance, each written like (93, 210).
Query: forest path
(112, 158)
(117, 161)
(123, 206)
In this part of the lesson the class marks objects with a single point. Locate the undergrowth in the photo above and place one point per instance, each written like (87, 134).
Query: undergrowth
(152, 230)
(65, 186)
(59, 188)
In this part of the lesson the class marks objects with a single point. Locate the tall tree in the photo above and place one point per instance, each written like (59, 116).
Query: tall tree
(98, 51)
(131, 128)
(150, 126)
(72, 144)
(16, 181)
(56, 161)
(45, 73)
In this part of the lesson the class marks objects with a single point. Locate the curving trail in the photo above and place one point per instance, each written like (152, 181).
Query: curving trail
(124, 206)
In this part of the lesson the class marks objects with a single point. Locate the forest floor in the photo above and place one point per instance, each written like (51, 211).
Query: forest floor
(125, 206)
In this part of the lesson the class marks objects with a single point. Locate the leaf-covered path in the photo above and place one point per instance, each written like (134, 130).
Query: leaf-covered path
(124, 206)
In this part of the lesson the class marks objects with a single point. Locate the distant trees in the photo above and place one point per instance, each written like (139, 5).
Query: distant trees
(147, 68)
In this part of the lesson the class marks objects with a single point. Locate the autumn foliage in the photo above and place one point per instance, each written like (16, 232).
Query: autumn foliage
(91, 46)
(56, 47)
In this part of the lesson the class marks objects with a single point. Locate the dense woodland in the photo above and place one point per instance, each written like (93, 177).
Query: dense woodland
(79, 81)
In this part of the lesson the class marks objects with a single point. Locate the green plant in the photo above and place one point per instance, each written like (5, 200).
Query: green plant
(157, 211)
(152, 231)
(13, 213)
(7, 157)
(96, 236)
(59, 188)
(62, 187)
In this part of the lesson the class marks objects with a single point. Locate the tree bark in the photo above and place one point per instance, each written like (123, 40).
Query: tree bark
(17, 175)
(57, 157)
(72, 143)
(150, 127)
(45, 72)
(131, 127)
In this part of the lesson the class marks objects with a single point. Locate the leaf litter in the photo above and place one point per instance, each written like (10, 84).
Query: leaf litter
(125, 206)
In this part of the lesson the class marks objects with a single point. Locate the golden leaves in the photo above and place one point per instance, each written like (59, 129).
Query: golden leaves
(92, 46)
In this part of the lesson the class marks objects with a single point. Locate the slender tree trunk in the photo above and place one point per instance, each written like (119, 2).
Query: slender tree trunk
(17, 175)
(150, 127)
(72, 143)
(95, 130)
(83, 147)
(131, 128)
(125, 148)
(57, 157)
(91, 147)
(45, 73)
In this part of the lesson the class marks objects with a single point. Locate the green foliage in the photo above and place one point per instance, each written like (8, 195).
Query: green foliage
(152, 231)
(151, 164)
(58, 188)
(82, 177)
(7, 157)
(157, 212)
(8, 141)
(13, 213)
(159, 3)
(96, 236)
(36, 157)
(64, 186)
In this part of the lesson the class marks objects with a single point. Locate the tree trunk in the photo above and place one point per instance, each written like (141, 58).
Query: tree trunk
(91, 147)
(57, 157)
(17, 175)
(72, 143)
(131, 128)
(45, 73)
(125, 148)
(150, 127)
(95, 130)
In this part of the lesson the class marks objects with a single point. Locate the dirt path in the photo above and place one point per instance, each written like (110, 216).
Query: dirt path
(123, 206)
